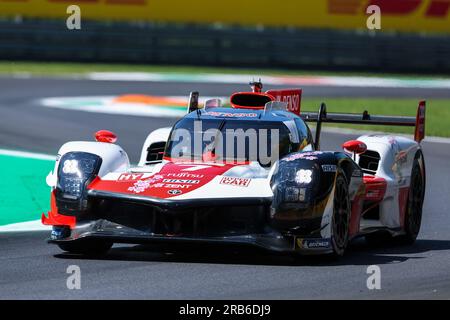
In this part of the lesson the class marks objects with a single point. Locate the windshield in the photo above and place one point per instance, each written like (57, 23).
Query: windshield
(225, 140)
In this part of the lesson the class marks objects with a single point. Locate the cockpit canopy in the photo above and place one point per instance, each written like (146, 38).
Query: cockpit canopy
(232, 140)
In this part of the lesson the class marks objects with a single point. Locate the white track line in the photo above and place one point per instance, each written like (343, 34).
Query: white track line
(337, 81)
(28, 226)
(305, 80)
(24, 154)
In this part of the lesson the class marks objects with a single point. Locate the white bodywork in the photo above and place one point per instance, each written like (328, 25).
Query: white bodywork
(114, 158)
(396, 160)
(159, 135)
(396, 153)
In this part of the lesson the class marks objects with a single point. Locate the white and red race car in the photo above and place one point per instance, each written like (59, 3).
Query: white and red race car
(295, 198)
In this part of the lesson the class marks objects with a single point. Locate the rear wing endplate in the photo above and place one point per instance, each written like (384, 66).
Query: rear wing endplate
(367, 119)
(193, 102)
(292, 97)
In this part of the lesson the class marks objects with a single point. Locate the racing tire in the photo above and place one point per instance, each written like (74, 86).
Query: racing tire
(87, 247)
(341, 216)
(416, 196)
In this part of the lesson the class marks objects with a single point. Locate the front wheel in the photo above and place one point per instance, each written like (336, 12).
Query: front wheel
(341, 216)
(87, 247)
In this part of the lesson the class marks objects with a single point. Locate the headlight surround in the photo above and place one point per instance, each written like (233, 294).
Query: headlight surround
(75, 171)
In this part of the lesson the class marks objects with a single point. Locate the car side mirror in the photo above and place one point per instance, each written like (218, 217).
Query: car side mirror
(355, 147)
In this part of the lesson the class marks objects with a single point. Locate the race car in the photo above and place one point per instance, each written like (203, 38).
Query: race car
(250, 173)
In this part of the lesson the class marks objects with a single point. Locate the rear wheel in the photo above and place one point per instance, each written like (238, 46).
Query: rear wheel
(413, 214)
(341, 216)
(87, 247)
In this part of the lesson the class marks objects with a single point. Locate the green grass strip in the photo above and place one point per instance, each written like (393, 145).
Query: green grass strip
(24, 193)
(60, 68)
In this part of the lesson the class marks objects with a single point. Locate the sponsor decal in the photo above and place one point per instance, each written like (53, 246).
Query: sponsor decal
(127, 177)
(185, 178)
(291, 194)
(295, 194)
(185, 175)
(174, 192)
(143, 185)
(329, 168)
(181, 181)
(312, 243)
(303, 155)
(233, 115)
(291, 97)
(238, 182)
(140, 186)
(175, 186)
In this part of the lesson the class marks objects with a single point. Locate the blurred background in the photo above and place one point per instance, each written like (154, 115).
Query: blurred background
(320, 34)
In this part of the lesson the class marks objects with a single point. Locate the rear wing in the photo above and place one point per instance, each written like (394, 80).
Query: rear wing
(366, 119)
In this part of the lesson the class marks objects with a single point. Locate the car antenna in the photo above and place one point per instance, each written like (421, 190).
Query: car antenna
(257, 86)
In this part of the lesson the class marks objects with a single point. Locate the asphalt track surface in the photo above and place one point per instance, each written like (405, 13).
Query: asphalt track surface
(30, 268)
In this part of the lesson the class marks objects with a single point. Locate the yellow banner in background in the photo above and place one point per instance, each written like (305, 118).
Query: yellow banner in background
(396, 15)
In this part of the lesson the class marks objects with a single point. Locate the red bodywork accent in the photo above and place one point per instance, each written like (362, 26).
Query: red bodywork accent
(355, 146)
(105, 136)
(293, 97)
(375, 188)
(182, 177)
(56, 219)
(419, 134)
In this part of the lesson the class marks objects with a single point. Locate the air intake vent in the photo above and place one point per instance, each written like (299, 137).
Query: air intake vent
(155, 152)
(369, 161)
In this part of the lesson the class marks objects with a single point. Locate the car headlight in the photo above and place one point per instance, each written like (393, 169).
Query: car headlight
(75, 171)
(304, 176)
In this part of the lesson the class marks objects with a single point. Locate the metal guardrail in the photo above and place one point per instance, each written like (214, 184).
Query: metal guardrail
(172, 44)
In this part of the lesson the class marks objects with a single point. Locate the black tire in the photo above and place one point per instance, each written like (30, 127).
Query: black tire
(87, 247)
(413, 214)
(341, 216)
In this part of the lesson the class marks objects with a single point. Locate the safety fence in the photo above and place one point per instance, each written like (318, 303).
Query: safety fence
(50, 40)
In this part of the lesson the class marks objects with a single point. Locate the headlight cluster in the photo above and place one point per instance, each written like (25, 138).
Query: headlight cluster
(75, 171)
(304, 176)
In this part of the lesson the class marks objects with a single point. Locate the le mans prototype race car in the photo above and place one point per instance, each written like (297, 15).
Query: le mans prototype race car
(306, 200)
